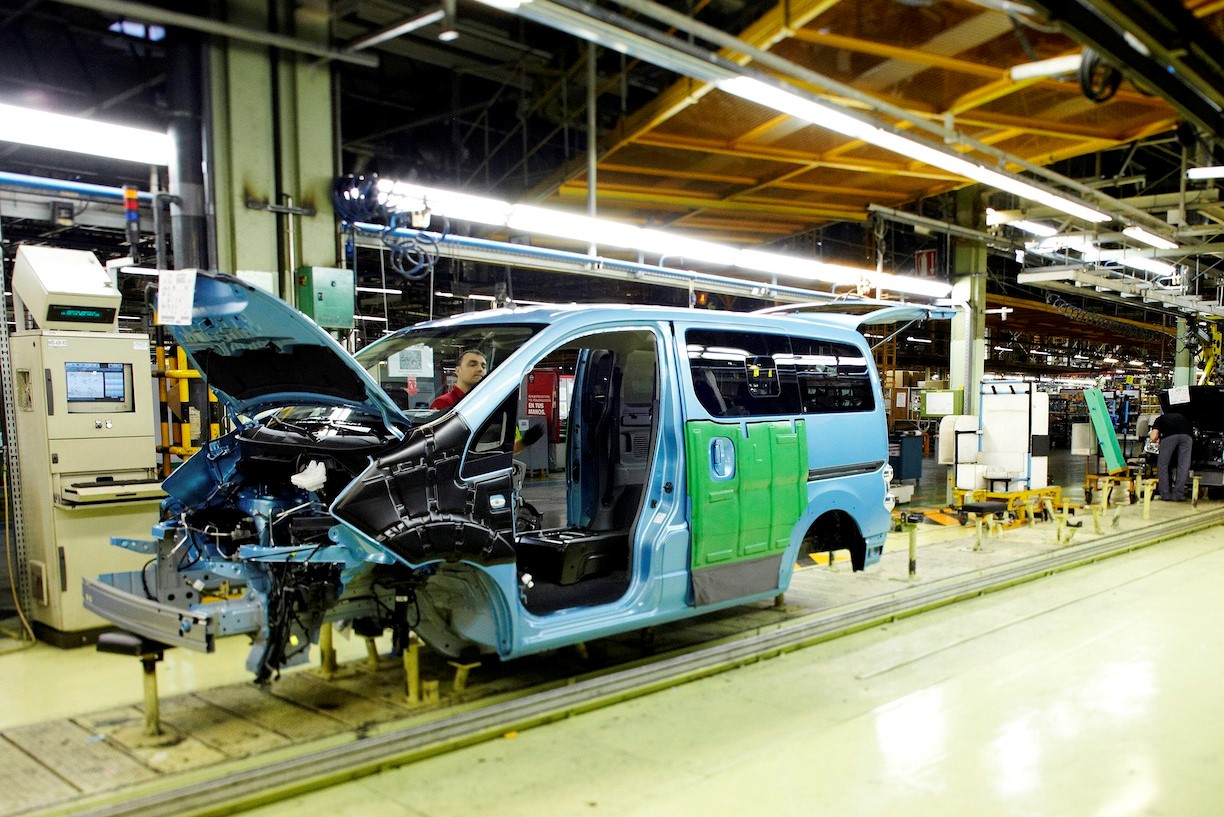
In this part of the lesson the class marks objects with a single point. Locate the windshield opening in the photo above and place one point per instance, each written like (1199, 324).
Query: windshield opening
(419, 367)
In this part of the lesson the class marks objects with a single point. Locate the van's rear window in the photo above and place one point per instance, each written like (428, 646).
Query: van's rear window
(753, 374)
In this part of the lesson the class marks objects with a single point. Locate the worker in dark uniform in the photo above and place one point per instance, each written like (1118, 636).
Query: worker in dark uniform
(1173, 432)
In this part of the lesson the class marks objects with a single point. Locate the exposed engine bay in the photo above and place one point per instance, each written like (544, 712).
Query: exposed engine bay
(248, 522)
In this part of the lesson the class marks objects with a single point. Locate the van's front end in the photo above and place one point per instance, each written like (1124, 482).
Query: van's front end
(282, 524)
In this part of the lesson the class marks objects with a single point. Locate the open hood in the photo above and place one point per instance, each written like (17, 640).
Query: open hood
(257, 352)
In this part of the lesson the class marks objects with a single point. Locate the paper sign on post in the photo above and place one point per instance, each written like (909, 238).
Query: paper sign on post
(1179, 395)
(175, 297)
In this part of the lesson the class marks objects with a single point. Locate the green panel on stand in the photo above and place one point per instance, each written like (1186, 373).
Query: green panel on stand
(1102, 424)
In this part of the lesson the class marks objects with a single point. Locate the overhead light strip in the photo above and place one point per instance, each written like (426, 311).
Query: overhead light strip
(28, 126)
(1151, 239)
(783, 98)
(1206, 172)
(410, 197)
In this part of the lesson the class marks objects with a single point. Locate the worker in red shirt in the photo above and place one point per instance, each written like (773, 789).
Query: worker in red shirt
(469, 371)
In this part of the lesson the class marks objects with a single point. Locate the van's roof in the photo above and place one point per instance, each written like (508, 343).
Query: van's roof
(856, 315)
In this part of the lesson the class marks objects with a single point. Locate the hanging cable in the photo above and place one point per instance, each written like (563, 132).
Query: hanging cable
(1098, 80)
(356, 199)
(8, 555)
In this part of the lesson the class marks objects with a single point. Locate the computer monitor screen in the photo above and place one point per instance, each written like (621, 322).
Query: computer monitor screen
(98, 387)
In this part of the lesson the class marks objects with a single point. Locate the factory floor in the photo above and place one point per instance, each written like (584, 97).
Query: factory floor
(1088, 692)
(1091, 692)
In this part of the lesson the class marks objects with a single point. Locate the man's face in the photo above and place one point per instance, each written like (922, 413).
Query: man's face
(469, 371)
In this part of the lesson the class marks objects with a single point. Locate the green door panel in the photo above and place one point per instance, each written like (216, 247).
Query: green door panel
(751, 513)
(1098, 413)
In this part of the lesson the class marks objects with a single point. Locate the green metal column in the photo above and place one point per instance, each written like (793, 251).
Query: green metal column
(273, 145)
(968, 348)
(1183, 359)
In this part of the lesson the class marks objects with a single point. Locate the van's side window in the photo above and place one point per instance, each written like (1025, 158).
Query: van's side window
(737, 374)
(833, 377)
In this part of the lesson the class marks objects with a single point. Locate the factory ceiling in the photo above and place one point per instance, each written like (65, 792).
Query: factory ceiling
(503, 109)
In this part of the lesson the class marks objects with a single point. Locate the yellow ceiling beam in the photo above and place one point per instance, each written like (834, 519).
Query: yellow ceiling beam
(835, 190)
(1035, 126)
(988, 93)
(1025, 305)
(895, 52)
(919, 57)
(671, 173)
(801, 212)
(792, 156)
(776, 24)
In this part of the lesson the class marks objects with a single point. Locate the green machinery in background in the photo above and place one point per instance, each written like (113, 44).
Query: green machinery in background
(326, 296)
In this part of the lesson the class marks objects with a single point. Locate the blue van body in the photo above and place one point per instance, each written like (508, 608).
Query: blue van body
(700, 454)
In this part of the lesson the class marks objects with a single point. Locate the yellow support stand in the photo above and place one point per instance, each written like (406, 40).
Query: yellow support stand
(1147, 487)
(328, 665)
(1064, 531)
(461, 675)
(419, 693)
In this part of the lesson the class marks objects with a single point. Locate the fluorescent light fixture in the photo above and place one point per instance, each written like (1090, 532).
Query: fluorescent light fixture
(1216, 172)
(369, 318)
(1109, 359)
(1079, 357)
(470, 297)
(1056, 67)
(398, 30)
(994, 218)
(1133, 260)
(52, 130)
(1034, 227)
(1079, 243)
(1038, 352)
(527, 218)
(380, 290)
(1134, 363)
(1151, 239)
(1003, 349)
(913, 339)
(449, 32)
(784, 101)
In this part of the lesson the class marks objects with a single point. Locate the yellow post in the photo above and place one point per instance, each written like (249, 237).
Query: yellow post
(1148, 486)
(913, 551)
(371, 653)
(152, 709)
(412, 669)
(327, 652)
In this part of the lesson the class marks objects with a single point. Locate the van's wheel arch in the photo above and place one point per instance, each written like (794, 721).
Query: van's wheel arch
(836, 530)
